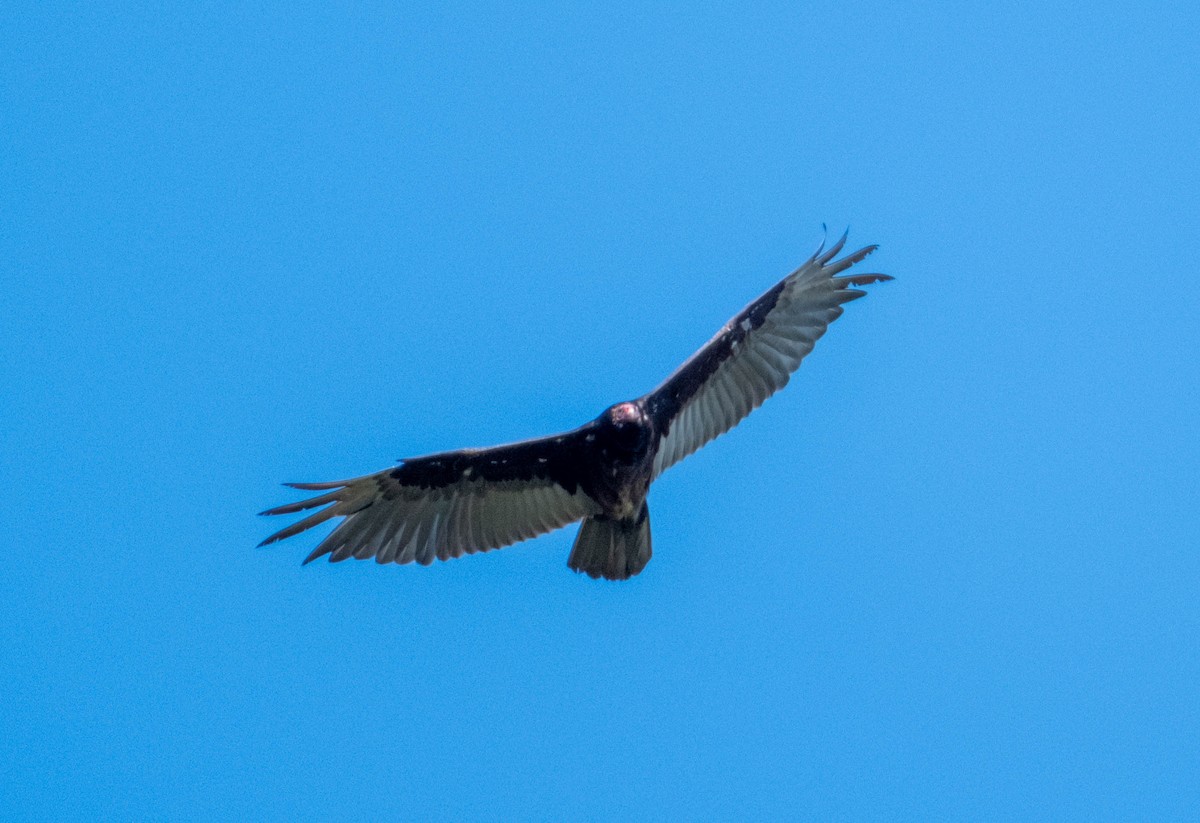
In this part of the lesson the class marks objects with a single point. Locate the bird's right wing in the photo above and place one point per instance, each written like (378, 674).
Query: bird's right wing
(449, 504)
(754, 355)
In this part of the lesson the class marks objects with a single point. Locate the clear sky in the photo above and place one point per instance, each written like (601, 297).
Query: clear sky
(951, 572)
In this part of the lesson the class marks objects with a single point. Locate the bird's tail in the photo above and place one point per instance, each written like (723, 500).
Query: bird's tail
(612, 549)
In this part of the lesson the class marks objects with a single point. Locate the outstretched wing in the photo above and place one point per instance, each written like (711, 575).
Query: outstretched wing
(754, 355)
(449, 504)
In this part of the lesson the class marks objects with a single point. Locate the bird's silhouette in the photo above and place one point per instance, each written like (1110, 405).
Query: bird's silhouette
(460, 502)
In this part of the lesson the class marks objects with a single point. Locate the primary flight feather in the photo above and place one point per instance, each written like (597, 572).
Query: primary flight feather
(460, 502)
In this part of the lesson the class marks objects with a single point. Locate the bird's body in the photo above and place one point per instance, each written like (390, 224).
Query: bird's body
(621, 461)
(453, 503)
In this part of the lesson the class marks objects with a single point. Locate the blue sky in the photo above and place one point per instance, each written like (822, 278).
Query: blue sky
(951, 572)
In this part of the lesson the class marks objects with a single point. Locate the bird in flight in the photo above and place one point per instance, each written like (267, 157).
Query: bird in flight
(472, 500)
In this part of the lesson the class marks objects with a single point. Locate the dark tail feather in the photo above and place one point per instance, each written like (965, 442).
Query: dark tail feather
(612, 549)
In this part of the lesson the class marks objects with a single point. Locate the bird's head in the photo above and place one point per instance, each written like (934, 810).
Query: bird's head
(628, 425)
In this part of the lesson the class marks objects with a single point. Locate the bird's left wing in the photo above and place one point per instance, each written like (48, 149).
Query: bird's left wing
(449, 504)
(754, 355)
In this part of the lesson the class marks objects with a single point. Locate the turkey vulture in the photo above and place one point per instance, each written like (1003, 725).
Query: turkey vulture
(460, 502)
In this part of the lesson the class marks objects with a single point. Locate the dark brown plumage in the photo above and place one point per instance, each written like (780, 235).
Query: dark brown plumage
(460, 502)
